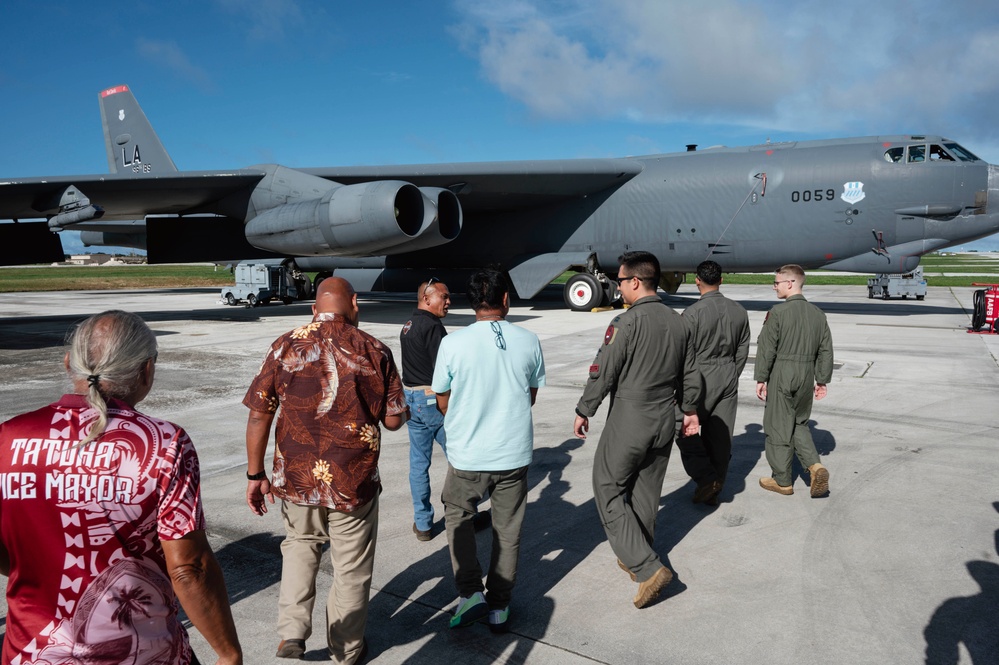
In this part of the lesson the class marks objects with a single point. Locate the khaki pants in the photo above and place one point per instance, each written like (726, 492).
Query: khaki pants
(352, 538)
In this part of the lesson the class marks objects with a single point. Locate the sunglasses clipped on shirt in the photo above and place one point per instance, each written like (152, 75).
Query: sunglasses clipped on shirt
(500, 341)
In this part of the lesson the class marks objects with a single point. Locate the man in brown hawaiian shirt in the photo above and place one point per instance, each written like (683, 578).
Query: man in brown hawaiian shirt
(330, 384)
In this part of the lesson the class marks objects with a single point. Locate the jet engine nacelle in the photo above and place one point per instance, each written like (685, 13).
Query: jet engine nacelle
(351, 220)
(444, 225)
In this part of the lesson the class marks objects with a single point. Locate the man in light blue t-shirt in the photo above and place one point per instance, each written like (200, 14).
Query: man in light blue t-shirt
(486, 379)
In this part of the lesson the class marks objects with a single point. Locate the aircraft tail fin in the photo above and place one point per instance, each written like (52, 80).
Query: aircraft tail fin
(132, 145)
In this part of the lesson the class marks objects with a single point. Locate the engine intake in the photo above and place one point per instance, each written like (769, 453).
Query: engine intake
(444, 225)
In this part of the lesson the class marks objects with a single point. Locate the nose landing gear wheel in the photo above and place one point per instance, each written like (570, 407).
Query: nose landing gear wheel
(583, 292)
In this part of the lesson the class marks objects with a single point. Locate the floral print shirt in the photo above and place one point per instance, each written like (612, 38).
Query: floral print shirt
(330, 384)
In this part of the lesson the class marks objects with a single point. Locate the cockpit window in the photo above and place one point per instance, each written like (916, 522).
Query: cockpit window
(961, 153)
(894, 154)
(917, 153)
(938, 154)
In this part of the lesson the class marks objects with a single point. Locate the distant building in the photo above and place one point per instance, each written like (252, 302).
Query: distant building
(88, 259)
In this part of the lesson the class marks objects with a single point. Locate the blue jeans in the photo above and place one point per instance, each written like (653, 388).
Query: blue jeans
(425, 424)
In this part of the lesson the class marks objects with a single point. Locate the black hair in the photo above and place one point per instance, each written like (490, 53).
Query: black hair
(710, 273)
(486, 289)
(643, 265)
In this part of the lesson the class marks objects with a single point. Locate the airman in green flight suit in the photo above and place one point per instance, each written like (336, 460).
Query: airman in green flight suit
(794, 362)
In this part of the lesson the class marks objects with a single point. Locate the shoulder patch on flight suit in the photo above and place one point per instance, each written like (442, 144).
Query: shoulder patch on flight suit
(405, 328)
(610, 335)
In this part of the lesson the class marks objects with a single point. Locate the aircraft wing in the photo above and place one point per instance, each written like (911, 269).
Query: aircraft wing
(125, 197)
(480, 186)
(500, 186)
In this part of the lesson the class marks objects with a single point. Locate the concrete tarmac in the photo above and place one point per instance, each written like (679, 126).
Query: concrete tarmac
(899, 564)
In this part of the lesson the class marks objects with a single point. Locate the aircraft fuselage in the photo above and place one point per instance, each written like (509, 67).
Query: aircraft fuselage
(835, 204)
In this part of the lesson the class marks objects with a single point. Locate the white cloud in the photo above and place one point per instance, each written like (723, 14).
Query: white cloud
(169, 55)
(267, 20)
(852, 66)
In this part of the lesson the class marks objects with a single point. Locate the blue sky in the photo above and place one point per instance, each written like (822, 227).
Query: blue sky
(230, 83)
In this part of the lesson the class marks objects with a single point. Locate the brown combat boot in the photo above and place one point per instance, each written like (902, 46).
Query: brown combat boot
(620, 564)
(820, 480)
(771, 484)
(650, 589)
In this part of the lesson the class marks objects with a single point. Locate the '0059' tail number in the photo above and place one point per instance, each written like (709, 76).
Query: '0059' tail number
(808, 195)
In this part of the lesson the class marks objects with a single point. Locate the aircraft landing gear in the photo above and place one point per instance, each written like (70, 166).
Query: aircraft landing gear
(584, 291)
(320, 276)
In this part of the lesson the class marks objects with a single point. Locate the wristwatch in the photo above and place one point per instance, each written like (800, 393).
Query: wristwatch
(262, 475)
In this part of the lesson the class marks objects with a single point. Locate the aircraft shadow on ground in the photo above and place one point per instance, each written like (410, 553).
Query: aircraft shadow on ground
(38, 332)
(969, 620)
(557, 537)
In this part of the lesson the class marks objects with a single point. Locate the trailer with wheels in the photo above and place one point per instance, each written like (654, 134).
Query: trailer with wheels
(261, 281)
(887, 286)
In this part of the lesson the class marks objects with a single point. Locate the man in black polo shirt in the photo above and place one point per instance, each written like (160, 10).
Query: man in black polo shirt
(420, 338)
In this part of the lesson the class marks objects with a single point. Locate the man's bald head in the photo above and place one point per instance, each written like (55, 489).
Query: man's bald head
(336, 296)
(434, 297)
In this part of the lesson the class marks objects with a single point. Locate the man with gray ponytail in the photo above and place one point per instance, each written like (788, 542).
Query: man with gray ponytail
(111, 498)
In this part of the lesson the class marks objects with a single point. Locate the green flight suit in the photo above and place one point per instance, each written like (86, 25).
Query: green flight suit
(720, 329)
(793, 353)
(646, 362)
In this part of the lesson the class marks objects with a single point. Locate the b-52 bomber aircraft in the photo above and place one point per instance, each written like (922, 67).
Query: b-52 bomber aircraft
(870, 205)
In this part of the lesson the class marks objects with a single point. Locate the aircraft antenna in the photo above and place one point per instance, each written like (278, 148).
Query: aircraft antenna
(761, 180)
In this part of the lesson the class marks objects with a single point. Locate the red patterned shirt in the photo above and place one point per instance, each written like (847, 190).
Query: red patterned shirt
(83, 525)
(334, 384)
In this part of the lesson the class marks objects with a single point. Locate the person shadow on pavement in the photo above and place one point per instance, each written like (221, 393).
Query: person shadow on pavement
(750, 448)
(969, 620)
(557, 537)
(678, 515)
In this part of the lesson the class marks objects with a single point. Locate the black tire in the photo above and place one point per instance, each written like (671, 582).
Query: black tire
(905, 296)
(320, 276)
(583, 292)
(920, 297)
(995, 326)
(251, 300)
(286, 300)
(884, 293)
(870, 292)
(978, 310)
(612, 295)
(230, 299)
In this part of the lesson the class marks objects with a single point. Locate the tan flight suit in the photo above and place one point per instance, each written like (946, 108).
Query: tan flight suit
(646, 362)
(793, 353)
(720, 329)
